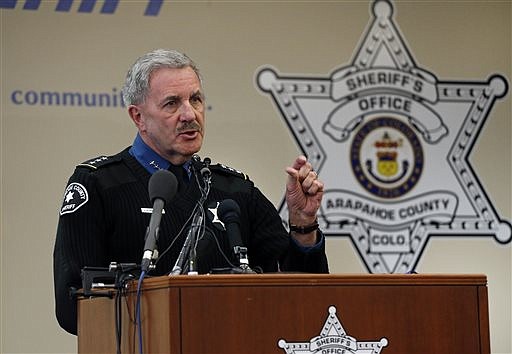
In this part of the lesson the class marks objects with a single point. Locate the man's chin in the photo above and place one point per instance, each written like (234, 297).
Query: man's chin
(191, 150)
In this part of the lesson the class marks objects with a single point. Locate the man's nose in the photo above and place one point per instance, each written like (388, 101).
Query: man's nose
(187, 111)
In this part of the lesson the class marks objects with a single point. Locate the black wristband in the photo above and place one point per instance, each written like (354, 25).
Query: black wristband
(304, 229)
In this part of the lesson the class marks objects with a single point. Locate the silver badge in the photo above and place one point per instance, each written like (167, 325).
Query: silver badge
(392, 142)
(333, 339)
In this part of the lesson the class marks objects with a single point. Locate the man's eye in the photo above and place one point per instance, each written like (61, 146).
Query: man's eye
(197, 99)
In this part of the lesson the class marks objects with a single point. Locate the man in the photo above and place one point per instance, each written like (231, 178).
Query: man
(103, 216)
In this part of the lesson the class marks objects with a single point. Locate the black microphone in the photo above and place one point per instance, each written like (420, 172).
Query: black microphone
(162, 187)
(202, 167)
(205, 171)
(229, 213)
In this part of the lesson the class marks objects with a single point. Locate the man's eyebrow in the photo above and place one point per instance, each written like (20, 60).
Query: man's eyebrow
(170, 98)
(197, 93)
(178, 97)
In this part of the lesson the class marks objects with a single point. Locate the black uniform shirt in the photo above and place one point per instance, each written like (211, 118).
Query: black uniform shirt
(106, 210)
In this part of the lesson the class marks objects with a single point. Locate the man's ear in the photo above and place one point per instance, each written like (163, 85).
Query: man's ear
(136, 116)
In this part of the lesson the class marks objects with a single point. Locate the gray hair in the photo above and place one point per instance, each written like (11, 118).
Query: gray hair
(136, 85)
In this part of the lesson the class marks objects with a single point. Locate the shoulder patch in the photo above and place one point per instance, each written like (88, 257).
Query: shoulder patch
(228, 170)
(98, 162)
(74, 197)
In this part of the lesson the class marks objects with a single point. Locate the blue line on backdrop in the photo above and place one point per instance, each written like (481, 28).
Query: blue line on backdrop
(153, 7)
(7, 4)
(32, 4)
(64, 5)
(109, 7)
(87, 6)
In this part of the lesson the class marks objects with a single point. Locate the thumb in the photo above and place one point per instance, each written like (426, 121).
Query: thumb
(293, 178)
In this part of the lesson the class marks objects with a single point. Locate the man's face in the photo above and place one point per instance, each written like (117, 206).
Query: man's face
(171, 120)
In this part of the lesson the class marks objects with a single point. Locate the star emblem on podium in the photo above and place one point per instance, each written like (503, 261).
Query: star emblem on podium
(391, 142)
(333, 339)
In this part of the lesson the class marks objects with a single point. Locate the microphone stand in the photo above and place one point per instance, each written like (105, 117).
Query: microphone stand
(243, 260)
(187, 258)
(181, 265)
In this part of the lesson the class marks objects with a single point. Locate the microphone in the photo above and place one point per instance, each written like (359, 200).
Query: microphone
(202, 167)
(162, 187)
(205, 171)
(229, 213)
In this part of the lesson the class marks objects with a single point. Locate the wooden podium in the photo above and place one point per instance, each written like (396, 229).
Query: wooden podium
(295, 314)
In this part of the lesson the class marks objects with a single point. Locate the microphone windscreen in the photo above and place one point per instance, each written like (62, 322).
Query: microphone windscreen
(163, 185)
(228, 211)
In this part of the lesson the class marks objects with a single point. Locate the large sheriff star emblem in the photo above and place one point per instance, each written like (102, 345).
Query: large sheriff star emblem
(333, 339)
(391, 142)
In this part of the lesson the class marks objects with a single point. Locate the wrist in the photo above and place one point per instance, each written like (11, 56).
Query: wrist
(304, 229)
(301, 218)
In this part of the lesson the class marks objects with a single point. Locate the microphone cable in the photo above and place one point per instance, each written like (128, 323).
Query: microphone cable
(137, 310)
(118, 319)
(221, 251)
(177, 236)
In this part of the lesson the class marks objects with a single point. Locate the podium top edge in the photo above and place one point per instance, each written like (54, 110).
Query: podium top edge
(305, 279)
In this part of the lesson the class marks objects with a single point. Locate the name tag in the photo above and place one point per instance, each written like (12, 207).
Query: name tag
(149, 210)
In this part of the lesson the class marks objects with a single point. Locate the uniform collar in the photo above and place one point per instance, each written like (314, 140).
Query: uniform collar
(149, 159)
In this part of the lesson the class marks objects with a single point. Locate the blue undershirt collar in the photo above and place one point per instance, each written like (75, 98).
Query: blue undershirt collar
(148, 158)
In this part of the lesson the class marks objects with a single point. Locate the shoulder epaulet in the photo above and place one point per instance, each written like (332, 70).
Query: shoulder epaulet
(98, 162)
(228, 171)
